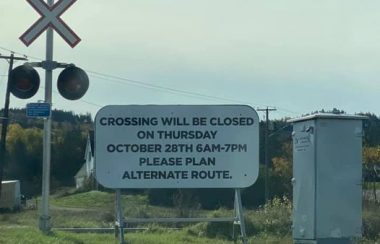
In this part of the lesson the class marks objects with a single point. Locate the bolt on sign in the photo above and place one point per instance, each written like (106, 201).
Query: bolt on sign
(176, 146)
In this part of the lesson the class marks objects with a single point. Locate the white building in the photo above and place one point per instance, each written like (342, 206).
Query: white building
(87, 170)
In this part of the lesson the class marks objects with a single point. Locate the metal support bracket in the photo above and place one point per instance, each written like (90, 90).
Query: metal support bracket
(49, 65)
(239, 217)
(119, 217)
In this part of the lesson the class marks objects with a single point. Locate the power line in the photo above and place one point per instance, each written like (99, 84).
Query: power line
(3, 77)
(286, 110)
(126, 81)
(152, 86)
(80, 100)
(168, 89)
(146, 86)
(21, 54)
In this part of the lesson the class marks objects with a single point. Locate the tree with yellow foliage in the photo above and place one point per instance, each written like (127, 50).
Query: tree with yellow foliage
(371, 165)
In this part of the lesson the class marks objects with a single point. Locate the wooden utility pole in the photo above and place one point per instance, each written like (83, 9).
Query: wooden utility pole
(267, 109)
(5, 118)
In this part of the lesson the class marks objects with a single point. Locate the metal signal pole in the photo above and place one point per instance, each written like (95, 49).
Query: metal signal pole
(267, 109)
(5, 118)
(44, 220)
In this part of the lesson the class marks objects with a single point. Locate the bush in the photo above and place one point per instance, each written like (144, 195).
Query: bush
(371, 223)
(185, 202)
(161, 197)
(254, 195)
(274, 217)
(222, 230)
(88, 185)
(218, 229)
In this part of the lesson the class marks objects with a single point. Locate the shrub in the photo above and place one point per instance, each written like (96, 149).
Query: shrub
(108, 216)
(371, 223)
(161, 197)
(274, 217)
(88, 185)
(185, 202)
(222, 230)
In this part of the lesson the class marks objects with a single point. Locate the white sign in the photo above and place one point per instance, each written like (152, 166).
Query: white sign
(50, 17)
(176, 146)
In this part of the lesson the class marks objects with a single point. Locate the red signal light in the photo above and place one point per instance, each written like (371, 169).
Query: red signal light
(72, 83)
(24, 81)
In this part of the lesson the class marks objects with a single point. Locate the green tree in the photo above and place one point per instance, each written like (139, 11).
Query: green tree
(282, 172)
(68, 154)
(371, 162)
(24, 149)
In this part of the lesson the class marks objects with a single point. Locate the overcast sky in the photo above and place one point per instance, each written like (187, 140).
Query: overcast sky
(296, 55)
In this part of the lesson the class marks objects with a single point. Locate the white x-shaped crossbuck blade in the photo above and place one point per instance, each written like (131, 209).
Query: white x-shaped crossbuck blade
(50, 17)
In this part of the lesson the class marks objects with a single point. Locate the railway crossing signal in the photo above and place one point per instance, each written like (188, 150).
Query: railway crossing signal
(50, 17)
(72, 82)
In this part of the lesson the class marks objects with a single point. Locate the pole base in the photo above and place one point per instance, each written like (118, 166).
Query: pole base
(44, 223)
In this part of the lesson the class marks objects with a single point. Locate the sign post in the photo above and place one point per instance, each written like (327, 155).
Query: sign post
(50, 19)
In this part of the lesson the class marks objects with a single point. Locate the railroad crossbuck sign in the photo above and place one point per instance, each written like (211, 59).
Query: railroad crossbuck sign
(50, 17)
(176, 146)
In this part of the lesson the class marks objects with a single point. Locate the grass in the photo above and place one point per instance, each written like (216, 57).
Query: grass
(268, 224)
(32, 236)
(133, 205)
(23, 218)
(369, 185)
(91, 199)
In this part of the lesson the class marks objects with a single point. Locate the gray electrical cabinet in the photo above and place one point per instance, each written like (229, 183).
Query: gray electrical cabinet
(327, 178)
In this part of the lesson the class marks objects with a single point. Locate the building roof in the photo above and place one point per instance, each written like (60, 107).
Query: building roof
(328, 116)
(89, 146)
(81, 172)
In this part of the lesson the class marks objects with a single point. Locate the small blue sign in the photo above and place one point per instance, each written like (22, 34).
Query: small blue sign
(39, 110)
